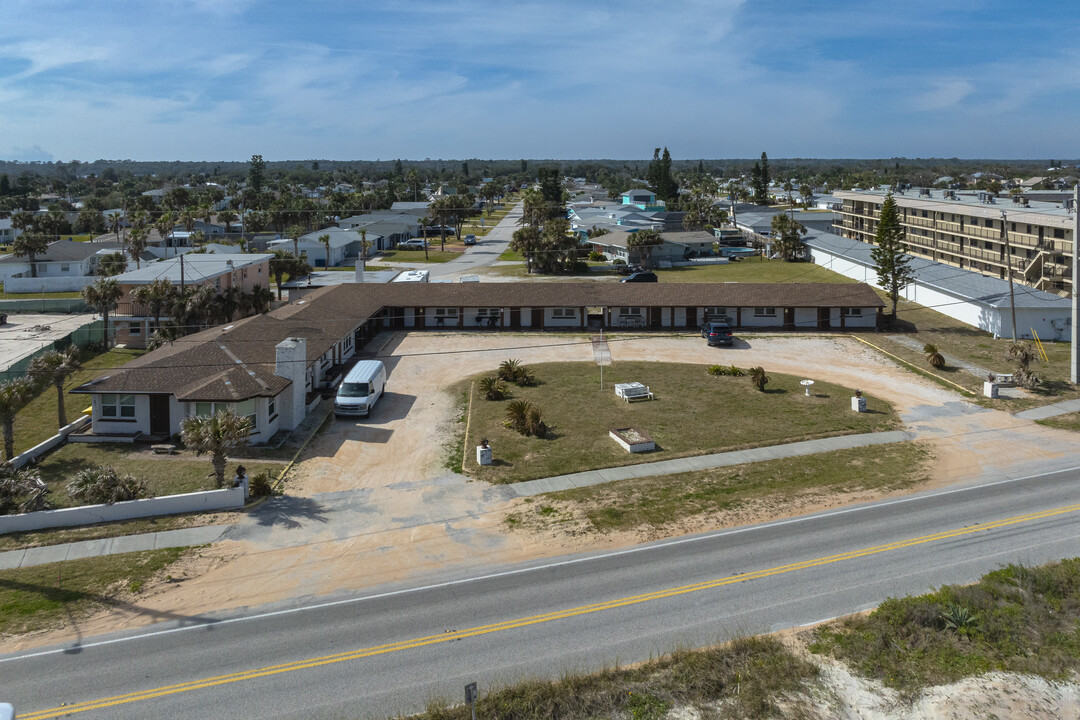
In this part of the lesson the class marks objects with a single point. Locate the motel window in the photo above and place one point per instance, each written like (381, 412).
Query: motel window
(118, 406)
(989, 223)
(271, 409)
(1059, 234)
(245, 409)
(564, 312)
(64, 267)
(446, 312)
(764, 312)
(630, 311)
(851, 312)
(134, 329)
(488, 312)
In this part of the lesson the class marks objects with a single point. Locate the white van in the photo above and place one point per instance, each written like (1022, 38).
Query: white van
(360, 389)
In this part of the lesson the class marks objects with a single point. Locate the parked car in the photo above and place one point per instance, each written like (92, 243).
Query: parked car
(624, 269)
(641, 277)
(413, 244)
(717, 333)
(470, 239)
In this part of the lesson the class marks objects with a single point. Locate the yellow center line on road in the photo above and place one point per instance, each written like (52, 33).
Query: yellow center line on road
(534, 619)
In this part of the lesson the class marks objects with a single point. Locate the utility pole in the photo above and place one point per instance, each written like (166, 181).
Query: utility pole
(1008, 271)
(1074, 365)
(181, 275)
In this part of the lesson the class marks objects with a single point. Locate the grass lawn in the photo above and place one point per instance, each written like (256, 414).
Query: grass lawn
(693, 414)
(473, 225)
(1070, 421)
(36, 296)
(923, 325)
(417, 256)
(752, 678)
(1016, 619)
(39, 597)
(57, 536)
(37, 422)
(512, 255)
(756, 270)
(164, 474)
(659, 501)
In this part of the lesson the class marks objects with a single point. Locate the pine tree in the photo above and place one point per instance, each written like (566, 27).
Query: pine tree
(890, 262)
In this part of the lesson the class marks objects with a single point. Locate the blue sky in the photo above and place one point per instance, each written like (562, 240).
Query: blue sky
(356, 79)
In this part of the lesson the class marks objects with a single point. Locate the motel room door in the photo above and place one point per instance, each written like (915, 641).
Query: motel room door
(159, 415)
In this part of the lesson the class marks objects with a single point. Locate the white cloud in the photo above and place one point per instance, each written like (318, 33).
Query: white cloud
(943, 94)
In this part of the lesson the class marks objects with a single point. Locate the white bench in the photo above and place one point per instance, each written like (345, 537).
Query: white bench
(633, 391)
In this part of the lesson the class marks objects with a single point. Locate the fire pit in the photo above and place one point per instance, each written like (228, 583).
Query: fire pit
(632, 439)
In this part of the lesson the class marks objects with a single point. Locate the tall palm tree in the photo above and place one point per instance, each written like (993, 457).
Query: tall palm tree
(216, 435)
(199, 305)
(423, 231)
(156, 295)
(365, 245)
(228, 302)
(261, 298)
(281, 264)
(56, 366)
(14, 395)
(164, 225)
(103, 295)
(29, 245)
(325, 240)
(137, 243)
(295, 231)
(111, 264)
(644, 241)
(228, 217)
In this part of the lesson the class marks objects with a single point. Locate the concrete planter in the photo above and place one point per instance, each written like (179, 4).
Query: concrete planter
(483, 455)
(632, 439)
(990, 389)
(858, 404)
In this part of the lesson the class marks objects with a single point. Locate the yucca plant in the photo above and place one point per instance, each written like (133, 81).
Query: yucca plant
(492, 387)
(960, 618)
(933, 355)
(534, 423)
(104, 486)
(517, 415)
(525, 377)
(735, 371)
(759, 378)
(509, 370)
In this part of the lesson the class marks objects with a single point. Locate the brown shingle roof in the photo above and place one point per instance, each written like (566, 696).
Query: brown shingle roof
(237, 361)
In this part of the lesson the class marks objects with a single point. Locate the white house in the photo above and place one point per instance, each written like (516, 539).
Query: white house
(343, 244)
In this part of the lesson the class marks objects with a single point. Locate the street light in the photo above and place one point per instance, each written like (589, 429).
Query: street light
(1008, 271)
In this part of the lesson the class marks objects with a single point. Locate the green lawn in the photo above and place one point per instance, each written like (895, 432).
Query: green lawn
(45, 596)
(36, 296)
(417, 256)
(923, 325)
(1071, 421)
(693, 413)
(659, 501)
(512, 255)
(1016, 619)
(37, 422)
(164, 474)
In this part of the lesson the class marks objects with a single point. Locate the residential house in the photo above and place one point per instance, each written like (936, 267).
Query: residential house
(8, 232)
(344, 244)
(133, 323)
(66, 266)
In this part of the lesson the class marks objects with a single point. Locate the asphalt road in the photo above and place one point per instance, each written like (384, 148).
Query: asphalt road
(484, 253)
(391, 651)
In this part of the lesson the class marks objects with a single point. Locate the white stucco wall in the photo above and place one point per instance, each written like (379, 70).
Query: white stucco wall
(806, 318)
(140, 423)
(551, 321)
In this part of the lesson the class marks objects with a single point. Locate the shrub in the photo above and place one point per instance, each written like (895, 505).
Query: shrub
(493, 387)
(509, 369)
(726, 370)
(759, 378)
(517, 415)
(526, 378)
(596, 257)
(534, 423)
(104, 486)
(261, 485)
(21, 490)
(618, 261)
(933, 355)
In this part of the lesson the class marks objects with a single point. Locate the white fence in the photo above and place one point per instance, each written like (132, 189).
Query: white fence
(59, 283)
(210, 500)
(55, 441)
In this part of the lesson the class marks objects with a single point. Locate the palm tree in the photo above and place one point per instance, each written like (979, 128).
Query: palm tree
(199, 305)
(156, 295)
(423, 231)
(14, 395)
(103, 295)
(325, 240)
(137, 244)
(228, 217)
(228, 302)
(56, 366)
(295, 231)
(1025, 355)
(111, 264)
(164, 225)
(30, 244)
(216, 434)
(933, 355)
(365, 245)
(759, 378)
(260, 298)
(644, 241)
(281, 264)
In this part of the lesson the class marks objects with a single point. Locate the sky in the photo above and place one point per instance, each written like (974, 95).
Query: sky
(371, 79)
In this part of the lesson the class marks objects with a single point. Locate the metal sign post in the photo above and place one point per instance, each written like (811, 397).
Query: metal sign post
(470, 698)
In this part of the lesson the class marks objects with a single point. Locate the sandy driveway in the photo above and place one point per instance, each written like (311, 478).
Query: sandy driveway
(372, 502)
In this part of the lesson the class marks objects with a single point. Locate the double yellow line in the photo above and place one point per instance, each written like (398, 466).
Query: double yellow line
(533, 619)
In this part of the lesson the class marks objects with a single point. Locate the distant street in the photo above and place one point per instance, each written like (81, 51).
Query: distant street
(484, 253)
(390, 651)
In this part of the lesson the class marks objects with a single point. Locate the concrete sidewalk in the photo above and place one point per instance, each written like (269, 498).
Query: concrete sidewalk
(1049, 411)
(111, 546)
(705, 462)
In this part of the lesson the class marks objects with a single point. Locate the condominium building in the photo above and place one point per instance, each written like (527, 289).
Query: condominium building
(969, 229)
